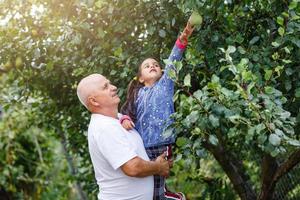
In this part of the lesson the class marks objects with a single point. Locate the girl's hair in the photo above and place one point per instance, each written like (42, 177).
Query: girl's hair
(133, 88)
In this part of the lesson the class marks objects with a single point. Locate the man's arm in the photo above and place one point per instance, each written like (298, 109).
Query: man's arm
(137, 167)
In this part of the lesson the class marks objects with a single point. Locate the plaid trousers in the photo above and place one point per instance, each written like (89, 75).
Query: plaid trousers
(159, 181)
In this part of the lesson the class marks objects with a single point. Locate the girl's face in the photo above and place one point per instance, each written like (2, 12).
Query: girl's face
(150, 72)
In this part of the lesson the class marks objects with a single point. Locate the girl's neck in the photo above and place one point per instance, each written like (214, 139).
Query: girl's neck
(150, 83)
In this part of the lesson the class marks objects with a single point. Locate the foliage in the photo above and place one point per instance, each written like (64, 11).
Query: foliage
(31, 162)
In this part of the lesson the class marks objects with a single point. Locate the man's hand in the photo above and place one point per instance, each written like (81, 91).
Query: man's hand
(187, 32)
(163, 164)
(128, 124)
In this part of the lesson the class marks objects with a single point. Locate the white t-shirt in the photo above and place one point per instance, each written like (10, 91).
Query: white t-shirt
(111, 146)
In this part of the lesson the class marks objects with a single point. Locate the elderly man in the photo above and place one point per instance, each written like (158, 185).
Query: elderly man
(122, 167)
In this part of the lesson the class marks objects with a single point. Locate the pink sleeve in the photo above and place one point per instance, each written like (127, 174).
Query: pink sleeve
(180, 44)
(124, 117)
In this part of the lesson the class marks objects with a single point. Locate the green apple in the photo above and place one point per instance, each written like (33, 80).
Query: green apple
(19, 62)
(195, 19)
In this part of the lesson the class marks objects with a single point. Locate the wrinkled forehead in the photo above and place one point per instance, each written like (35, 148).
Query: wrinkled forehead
(149, 61)
(101, 81)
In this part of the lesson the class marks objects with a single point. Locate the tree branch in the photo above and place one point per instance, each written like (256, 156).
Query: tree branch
(271, 173)
(289, 164)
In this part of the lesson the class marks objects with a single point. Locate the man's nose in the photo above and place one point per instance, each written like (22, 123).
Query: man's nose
(113, 87)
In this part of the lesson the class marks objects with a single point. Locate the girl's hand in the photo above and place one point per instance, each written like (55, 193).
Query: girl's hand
(128, 124)
(187, 32)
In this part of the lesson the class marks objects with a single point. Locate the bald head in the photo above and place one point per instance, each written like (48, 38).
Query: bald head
(87, 86)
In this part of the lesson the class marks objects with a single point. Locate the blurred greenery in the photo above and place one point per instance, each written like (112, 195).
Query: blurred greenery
(237, 92)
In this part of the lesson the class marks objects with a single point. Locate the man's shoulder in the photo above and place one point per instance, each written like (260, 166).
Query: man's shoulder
(103, 124)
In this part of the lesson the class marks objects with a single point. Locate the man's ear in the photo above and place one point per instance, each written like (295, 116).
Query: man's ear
(93, 102)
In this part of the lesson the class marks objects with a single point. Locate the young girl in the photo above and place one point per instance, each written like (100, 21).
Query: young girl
(149, 105)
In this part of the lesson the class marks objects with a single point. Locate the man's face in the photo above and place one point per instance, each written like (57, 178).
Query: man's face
(105, 94)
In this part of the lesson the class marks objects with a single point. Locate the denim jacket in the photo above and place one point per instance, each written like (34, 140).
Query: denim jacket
(154, 105)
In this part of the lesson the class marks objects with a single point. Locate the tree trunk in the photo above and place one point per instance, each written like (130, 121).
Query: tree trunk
(269, 168)
(4, 195)
(234, 170)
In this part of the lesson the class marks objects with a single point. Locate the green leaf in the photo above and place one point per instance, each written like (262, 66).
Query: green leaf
(293, 5)
(293, 142)
(167, 133)
(275, 152)
(297, 93)
(268, 74)
(285, 114)
(178, 66)
(113, 72)
(281, 31)
(280, 21)
(274, 139)
(215, 79)
(176, 95)
(172, 74)
(254, 40)
(239, 39)
(173, 21)
(198, 94)
(259, 128)
(251, 131)
(181, 141)
(275, 44)
(118, 52)
(162, 33)
(232, 133)
(286, 61)
(213, 140)
(247, 75)
(295, 17)
(278, 69)
(214, 120)
(187, 80)
(241, 50)
(262, 138)
(269, 90)
(193, 116)
(279, 132)
(178, 157)
(231, 49)
(296, 42)
(226, 92)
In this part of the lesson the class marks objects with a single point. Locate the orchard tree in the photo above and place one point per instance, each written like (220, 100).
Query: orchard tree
(237, 98)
